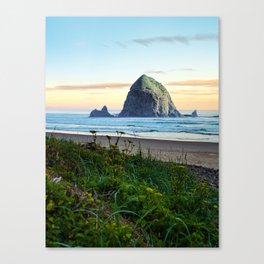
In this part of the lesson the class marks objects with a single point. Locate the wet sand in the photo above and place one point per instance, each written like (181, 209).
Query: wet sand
(203, 154)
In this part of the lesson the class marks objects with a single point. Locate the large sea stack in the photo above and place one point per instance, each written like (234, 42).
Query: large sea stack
(148, 98)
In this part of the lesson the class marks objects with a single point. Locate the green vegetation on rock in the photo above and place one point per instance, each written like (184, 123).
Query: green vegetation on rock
(148, 98)
(147, 82)
(98, 197)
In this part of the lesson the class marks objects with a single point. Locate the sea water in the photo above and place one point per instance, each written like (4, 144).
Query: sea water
(203, 128)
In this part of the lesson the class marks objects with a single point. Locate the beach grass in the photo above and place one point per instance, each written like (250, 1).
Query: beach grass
(105, 197)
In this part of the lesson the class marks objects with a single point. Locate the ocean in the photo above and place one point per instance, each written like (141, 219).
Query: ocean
(203, 128)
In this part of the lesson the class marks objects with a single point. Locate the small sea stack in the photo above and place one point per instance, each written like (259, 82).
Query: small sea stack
(194, 114)
(101, 113)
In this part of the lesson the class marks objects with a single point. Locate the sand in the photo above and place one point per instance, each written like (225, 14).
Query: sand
(193, 153)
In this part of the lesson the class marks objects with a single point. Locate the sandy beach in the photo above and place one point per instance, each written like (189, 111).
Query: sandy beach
(192, 153)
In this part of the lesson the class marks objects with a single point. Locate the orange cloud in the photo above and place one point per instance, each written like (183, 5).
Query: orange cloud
(198, 94)
(83, 87)
(195, 92)
(207, 83)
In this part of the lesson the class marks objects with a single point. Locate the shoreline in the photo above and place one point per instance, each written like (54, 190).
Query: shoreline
(114, 134)
(205, 154)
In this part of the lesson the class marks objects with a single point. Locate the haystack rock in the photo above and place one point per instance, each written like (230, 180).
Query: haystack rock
(148, 98)
(101, 113)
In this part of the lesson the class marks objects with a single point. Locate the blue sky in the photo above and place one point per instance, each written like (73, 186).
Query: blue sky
(92, 50)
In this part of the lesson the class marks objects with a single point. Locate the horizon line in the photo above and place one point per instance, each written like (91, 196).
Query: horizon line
(112, 109)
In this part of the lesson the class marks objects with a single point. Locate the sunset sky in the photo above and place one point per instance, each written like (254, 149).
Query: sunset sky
(93, 61)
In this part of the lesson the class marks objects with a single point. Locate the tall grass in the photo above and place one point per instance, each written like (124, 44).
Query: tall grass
(98, 197)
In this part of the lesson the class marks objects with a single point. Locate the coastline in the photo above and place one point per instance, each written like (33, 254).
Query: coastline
(205, 154)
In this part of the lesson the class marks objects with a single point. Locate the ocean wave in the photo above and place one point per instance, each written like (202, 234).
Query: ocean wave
(200, 133)
(204, 125)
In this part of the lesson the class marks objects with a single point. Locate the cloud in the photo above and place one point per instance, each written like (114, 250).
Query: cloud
(121, 44)
(185, 69)
(87, 87)
(163, 72)
(207, 83)
(156, 72)
(183, 39)
(194, 92)
(209, 87)
(202, 87)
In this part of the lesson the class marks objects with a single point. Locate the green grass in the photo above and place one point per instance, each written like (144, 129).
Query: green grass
(98, 197)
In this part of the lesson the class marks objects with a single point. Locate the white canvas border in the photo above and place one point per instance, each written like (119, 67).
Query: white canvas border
(22, 79)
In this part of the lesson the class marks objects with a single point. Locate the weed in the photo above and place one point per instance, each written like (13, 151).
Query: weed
(103, 197)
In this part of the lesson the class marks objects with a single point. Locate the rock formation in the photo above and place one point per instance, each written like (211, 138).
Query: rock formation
(101, 113)
(194, 114)
(148, 98)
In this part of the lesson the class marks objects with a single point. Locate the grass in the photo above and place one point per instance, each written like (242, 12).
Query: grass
(98, 197)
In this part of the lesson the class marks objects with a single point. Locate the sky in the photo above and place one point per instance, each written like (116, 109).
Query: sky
(93, 61)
